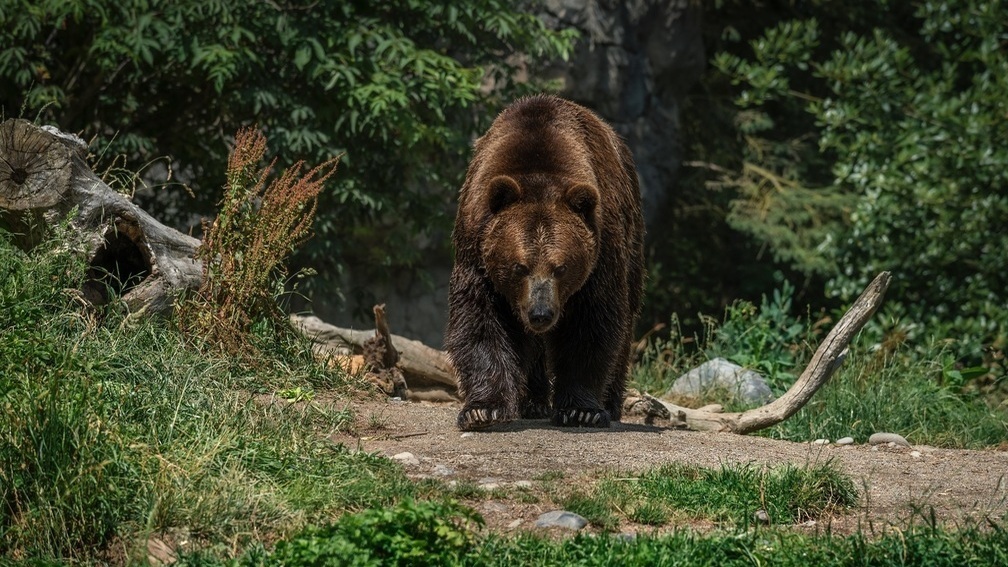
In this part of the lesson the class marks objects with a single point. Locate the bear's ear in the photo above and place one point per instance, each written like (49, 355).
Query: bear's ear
(502, 192)
(583, 199)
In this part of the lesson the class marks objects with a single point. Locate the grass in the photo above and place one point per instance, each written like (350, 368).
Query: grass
(729, 495)
(418, 533)
(882, 385)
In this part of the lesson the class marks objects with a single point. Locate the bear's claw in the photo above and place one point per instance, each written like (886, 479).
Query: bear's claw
(481, 418)
(581, 417)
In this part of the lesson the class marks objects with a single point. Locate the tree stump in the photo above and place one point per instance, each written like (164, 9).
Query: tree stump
(44, 180)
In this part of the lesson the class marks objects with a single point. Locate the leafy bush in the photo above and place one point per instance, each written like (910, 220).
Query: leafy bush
(873, 147)
(410, 533)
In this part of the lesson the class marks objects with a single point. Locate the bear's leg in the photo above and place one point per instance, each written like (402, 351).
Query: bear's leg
(583, 359)
(617, 385)
(481, 339)
(537, 401)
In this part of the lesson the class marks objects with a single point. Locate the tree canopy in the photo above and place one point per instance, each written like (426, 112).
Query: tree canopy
(398, 87)
(866, 137)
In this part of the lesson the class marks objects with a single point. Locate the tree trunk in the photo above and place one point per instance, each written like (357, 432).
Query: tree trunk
(44, 179)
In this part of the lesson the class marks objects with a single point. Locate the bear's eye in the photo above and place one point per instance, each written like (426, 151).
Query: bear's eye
(560, 270)
(520, 269)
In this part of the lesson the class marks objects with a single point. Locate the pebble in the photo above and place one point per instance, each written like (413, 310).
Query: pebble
(442, 470)
(762, 517)
(514, 524)
(561, 519)
(467, 434)
(495, 507)
(845, 441)
(406, 458)
(884, 438)
(915, 454)
(821, 442)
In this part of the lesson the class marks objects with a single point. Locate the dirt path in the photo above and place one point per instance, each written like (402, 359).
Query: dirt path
(962, 486)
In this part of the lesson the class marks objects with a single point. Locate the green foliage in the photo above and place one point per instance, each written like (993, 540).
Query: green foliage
(116, 428)
(57, 443)
(916, 389)
(920, 546)
(399, 86)
(895, 389)
(410, 533)
(767, 339)
(897, 124)
(729, 494)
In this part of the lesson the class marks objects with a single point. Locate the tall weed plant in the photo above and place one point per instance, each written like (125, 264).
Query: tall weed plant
(260, 223)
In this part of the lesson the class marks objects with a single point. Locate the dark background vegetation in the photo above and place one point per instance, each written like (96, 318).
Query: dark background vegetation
(826, 141)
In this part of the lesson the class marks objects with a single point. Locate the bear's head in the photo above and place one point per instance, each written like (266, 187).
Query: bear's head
(540, 244)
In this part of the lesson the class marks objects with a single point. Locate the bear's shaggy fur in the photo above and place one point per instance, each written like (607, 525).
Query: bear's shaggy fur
(548, 273)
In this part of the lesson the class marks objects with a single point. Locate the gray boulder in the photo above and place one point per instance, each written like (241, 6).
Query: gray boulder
(746, 385)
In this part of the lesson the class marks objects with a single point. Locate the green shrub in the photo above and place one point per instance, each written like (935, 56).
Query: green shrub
(410, 533)
(872, 145)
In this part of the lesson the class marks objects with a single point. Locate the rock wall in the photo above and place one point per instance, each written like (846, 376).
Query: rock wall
(633, 64)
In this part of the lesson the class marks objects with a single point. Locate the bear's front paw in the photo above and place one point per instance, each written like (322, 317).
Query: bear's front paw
(581, 417)
(481, 417)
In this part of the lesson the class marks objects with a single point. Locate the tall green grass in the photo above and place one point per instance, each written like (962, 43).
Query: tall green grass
(115, 427)
(729, 495)
(883, 385)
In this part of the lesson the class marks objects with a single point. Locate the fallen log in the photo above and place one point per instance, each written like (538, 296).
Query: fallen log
(423, 367)
(44, 179)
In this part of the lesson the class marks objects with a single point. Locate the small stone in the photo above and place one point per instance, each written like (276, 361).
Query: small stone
(627, 536)
(561, 519)
(406, 458)
(523, 484)
(467, 434)
(821, 442)
(514, 524)
(495, 507)
(882, 438)
(915, 454)
(762, 517)
(845, 441)
(442, 470)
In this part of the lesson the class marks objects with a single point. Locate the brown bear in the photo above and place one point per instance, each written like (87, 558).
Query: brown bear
(549, 268)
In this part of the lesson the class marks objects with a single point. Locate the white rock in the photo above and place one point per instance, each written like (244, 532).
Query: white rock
(915, 454)
(745, 384)
(514, 524)
(406, 458)
(467, 434)
(442, 470)
(821, 442)
(883, 438)
(561, 519)
(845, 441)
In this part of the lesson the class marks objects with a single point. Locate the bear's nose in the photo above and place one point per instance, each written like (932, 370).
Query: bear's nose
(540, 316)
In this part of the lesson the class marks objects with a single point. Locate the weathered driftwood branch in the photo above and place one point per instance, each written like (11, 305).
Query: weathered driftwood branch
(423, 366)
(826, 359)
(44, 176)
